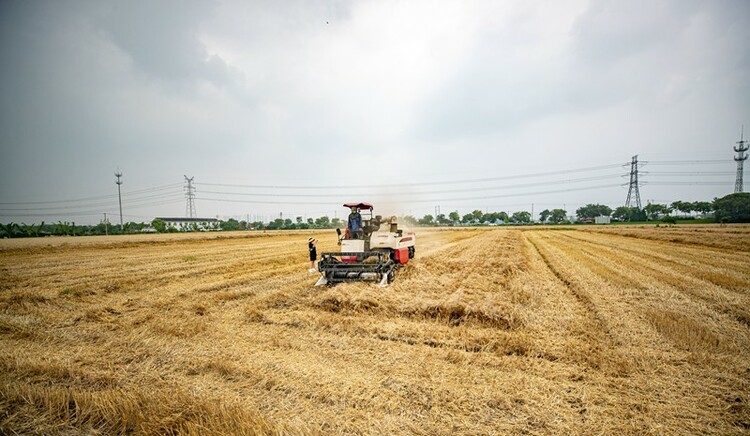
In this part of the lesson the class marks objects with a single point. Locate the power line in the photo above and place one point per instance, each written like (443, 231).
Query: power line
(687, 173)
(421, 200)
(101, 197)
(89, 212)
(683, 162)
(449, 191)
(401, 185)
(711, 183)
(127, 201)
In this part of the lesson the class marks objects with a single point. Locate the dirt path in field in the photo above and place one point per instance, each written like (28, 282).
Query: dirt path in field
(486, 331)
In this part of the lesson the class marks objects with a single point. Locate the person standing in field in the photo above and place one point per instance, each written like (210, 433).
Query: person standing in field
(313, 253)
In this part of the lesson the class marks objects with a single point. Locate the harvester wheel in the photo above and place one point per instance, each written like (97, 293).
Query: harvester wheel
(411, 252)
(391, 276)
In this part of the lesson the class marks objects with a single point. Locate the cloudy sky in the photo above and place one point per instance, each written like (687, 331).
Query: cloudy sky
(295, 107)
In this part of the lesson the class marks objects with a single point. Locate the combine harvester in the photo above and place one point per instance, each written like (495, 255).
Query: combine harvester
(371, 253)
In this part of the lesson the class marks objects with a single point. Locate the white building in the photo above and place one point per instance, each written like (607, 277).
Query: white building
(602, 220)
(191, 224)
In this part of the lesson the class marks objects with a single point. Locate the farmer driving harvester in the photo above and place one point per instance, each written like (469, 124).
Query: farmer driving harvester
(354, 224)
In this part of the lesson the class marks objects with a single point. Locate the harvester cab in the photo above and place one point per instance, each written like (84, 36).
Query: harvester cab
(372, 249)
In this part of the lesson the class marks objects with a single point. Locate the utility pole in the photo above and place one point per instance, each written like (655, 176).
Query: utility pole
(190, 197)
(633, 192)
(741, 157)
(106, 230)
(118, 174)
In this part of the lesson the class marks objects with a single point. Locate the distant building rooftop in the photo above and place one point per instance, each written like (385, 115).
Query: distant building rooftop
(188, 220)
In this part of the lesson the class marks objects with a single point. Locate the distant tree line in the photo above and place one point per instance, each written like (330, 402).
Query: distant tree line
(66, 228)
(732, 208)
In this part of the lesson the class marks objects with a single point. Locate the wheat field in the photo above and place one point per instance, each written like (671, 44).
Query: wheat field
(487, 331)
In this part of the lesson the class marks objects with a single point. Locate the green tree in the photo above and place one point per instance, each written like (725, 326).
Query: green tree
(653, 210)
(323, 222)
(623, 213)
(159, 225)
(702, 206)
(454, 216)
(477, 214)
(11, 230)
(230, 224)
(336, 222)
(467, 219)
(442, 219)
(543, 215)
(427, 220)
(310, 222)
(683, 206)
(558, 215)
(502, 216)
(299, 220)
(732, 208)
(521, 217)
(593, 211)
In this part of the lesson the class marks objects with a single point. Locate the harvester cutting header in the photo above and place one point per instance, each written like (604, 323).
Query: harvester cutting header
(372, 249)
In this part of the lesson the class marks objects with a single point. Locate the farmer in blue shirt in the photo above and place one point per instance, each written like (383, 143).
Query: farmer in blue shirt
(355, 223)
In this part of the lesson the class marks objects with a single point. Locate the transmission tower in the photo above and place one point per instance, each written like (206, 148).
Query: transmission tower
(118, 174)
(633, 193)
(741, 157)
(190, 197)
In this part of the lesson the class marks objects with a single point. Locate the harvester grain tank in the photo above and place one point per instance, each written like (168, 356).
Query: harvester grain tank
(373, 248)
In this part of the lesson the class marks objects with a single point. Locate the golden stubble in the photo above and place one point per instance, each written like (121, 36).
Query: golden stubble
(486, 331)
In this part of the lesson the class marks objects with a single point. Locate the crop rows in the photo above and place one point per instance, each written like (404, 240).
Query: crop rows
(486, 331)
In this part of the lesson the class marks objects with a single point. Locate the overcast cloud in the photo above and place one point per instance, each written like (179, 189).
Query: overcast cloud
(314, 93)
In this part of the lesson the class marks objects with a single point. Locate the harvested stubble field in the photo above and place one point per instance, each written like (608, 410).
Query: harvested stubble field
(634, 330)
